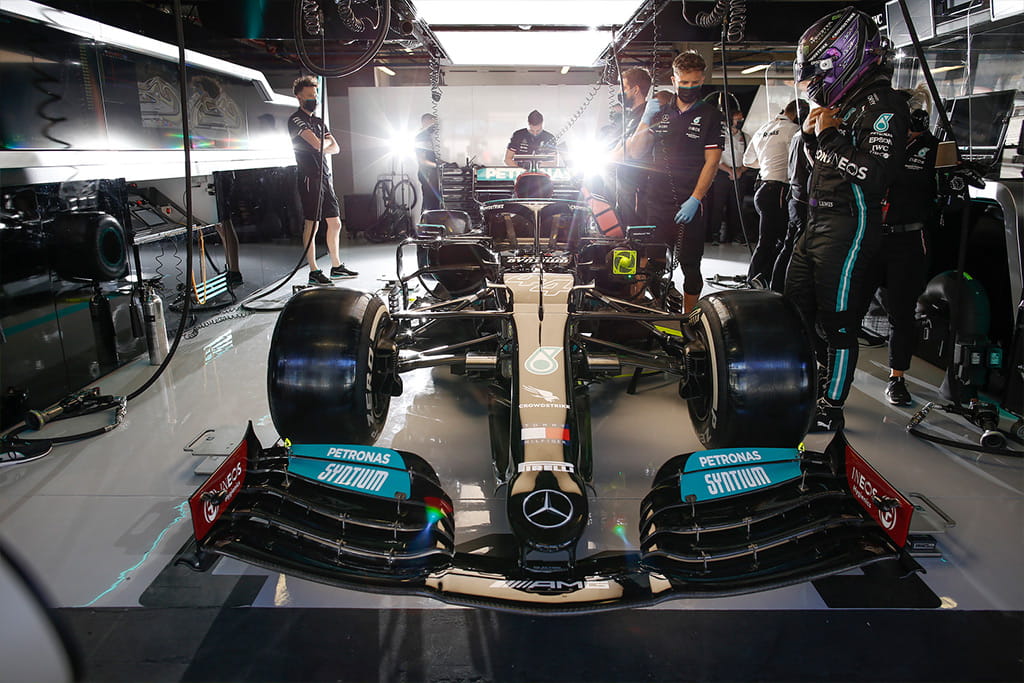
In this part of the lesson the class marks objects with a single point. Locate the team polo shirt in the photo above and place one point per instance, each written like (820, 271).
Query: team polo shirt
(524, 142)
(681, 138)
(307, 158)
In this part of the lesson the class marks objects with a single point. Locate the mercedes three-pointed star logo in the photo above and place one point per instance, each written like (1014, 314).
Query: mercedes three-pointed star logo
(547, 509)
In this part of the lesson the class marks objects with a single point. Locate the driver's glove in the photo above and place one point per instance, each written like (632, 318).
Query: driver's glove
(687, 210)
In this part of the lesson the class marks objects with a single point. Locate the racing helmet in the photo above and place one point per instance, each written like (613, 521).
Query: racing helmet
(836, 53)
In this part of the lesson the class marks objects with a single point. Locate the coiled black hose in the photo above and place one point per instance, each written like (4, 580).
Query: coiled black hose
(40, 83)
(732, 14)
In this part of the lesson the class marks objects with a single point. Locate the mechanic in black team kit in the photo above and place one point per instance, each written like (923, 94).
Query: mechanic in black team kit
(310, 136)
(687, 138)
(530, 140)
(630, 173)
(909, 208)
(856, 134)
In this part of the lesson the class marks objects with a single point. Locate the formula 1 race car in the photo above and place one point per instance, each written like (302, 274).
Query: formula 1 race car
(546, 298)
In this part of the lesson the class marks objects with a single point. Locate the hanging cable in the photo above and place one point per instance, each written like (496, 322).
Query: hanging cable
(435, 101)
(89, 401)
(588, 98)
(731, 14)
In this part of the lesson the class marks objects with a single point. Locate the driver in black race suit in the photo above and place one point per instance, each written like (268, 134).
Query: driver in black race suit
(856, 135)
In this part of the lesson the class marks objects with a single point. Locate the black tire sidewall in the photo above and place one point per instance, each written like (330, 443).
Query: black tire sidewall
(312, 398)
(762, 337)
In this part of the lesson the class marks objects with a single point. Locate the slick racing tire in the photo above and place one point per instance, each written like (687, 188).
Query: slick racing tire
(758, 384)
(328, 375)
(89, 245)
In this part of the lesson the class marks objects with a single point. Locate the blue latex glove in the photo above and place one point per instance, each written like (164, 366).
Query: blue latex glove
(687, 210)
(652, 109)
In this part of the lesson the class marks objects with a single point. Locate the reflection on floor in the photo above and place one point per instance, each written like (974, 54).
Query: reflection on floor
(97, 523)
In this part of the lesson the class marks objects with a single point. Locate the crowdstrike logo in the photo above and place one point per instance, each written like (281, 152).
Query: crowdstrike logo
(549, 398)
(542, 394)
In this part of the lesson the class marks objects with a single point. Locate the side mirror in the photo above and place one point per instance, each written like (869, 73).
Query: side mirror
(429, 230)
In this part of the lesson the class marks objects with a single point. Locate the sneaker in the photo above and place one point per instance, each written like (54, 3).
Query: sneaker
(827, 417)
(234, 278)
(317, 277)
(896, 392)
(341, 272)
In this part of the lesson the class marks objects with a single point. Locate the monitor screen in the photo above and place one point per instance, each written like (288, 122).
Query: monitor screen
(149, 217)
(980, 121)
(922, 16)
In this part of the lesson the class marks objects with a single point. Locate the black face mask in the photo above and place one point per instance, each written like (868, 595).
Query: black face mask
(688, 95)
(738, 123)
(309, 105)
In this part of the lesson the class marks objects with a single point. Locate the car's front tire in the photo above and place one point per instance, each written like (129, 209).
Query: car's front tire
(328, 379)
(758, 385)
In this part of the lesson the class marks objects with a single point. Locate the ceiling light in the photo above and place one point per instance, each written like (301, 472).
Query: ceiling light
(944, 69)
(386, 70)
(541, 12)
(755, 69)
(521, 48)
(565, 70)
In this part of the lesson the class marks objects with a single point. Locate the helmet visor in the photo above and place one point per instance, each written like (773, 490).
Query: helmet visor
(807, 69)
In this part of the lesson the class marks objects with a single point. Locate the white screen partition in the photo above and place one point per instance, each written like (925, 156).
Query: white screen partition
(476, 123)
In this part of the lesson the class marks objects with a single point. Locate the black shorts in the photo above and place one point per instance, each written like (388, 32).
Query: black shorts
(309, 191)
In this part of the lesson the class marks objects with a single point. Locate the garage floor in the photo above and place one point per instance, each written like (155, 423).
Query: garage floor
(97, 523)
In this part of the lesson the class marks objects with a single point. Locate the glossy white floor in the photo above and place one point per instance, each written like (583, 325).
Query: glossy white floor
(97, 521)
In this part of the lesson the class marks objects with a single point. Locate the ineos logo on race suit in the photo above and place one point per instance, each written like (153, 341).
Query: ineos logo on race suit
(842, 164)
(543, 361)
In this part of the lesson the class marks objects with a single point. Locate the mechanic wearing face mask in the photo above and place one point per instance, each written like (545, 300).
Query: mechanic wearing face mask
(631, 173)
(687, 138)
(530, 140)
(316, 191)
(856, 134)
(769, 151)
(909, 208)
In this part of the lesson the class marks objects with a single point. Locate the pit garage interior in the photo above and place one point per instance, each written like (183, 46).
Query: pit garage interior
(103, 215)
